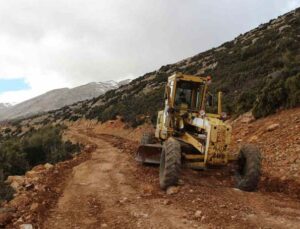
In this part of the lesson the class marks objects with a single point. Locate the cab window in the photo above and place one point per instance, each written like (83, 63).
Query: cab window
(188, 95)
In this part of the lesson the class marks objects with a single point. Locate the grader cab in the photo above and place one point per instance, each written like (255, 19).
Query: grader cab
(187, 136)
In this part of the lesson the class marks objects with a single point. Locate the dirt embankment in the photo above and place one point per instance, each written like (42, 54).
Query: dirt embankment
(38, 190)
(278, 137)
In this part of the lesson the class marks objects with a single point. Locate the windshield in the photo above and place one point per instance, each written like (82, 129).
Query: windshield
(188, 95)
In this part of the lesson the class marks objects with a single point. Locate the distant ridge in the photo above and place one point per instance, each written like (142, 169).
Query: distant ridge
(56, 99)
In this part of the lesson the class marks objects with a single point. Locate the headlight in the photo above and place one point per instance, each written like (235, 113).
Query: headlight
(223, 115)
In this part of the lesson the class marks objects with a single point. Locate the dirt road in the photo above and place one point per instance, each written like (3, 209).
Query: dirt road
(103, 192)
(110, 190)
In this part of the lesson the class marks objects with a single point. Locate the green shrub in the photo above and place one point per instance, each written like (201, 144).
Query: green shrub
(6, 192)
(280, 92)
(245, 102)
(17, 155)
(271, 98)
(12, 158)
(292, 86)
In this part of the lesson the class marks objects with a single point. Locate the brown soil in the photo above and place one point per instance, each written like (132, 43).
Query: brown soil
(108, 188)
(280, 149)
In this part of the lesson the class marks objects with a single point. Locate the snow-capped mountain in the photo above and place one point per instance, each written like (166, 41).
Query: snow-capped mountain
(56, 99)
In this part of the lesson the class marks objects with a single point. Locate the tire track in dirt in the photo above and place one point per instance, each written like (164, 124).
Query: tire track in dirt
(102, 191)
(112, 190)
(213, 193)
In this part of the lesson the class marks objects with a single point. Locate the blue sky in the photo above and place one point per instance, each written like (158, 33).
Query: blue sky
(13, 85)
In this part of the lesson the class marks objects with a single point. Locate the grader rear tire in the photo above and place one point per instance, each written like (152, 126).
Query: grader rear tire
(249, 163)
(170, 163)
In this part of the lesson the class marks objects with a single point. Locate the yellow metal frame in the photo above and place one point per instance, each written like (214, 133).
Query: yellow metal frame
(218, 133)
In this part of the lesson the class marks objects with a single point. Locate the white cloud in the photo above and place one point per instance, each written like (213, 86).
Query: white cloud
(61, 43)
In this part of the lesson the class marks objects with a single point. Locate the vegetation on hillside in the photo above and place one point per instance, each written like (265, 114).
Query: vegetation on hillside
(257, 71)
(20, 154)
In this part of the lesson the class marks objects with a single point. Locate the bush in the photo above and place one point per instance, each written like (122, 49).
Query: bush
(6, 192)
(292, 86)
(45, 145)
(270, 99)
(17, 155)
(280, 92)
(245, 102)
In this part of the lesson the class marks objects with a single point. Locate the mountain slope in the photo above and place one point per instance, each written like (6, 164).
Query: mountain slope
(256, 71)
(56, 99)
(4, 106)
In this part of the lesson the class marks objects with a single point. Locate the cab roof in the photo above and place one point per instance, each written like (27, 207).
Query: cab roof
(191, 78)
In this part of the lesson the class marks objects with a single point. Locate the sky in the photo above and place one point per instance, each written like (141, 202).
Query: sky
(48, 44)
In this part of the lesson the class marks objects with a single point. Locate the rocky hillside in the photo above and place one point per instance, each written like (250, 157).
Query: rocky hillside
(57, 98)
(257, 71)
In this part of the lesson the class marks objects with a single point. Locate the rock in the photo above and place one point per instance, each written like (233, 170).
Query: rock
(283, 28)
(254, 138)
(180, 182)
(15, 185)
(167, 202)
(48, 166)
(26, 226)
(29, 186)
(40, 187)
(104, 225)
(144, 215)
(203, 218)
(198, 214)
(273, 126)
(6, 215)
(34, 206)
(123, 200)
(247, 118)
(18, 179)
(16, 182)
(32, 174)
(172, 190)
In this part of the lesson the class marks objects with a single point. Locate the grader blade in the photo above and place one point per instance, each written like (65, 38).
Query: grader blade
(149, 153)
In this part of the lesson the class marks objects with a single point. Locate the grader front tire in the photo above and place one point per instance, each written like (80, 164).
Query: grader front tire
(249, 163)
(170, 163)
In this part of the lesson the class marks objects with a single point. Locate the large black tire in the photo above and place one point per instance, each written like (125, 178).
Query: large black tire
(148, 138)
(249, 166)
(170, 163)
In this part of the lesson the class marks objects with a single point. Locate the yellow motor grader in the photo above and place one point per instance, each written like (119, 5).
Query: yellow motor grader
(187, 136)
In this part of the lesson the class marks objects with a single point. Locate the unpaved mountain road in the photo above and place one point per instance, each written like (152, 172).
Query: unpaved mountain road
(103, 192)
(111, 190)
